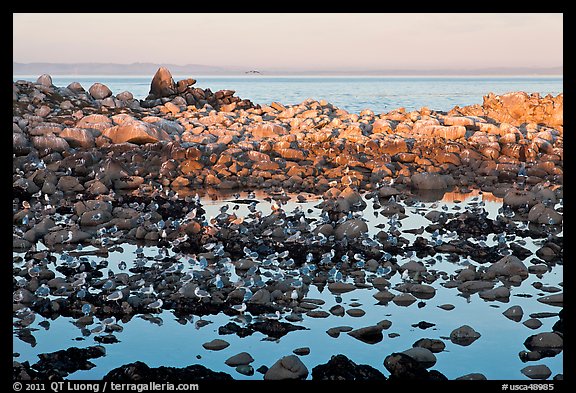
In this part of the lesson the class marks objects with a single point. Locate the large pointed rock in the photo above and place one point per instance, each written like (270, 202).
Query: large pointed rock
(162, 84)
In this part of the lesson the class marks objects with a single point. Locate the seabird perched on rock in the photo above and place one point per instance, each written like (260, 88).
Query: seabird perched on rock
(239, 307)
(157, 304)
(200, 293)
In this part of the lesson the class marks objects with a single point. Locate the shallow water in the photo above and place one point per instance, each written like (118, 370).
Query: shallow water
(495, 353)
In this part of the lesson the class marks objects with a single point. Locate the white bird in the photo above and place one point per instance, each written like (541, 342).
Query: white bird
(114, 296)
(98, 329)
(200, 293)
(240, 307)
(86, 308)
(147, 290)
(274, 316)
(294, 295)
(405, 275)
(156, 304)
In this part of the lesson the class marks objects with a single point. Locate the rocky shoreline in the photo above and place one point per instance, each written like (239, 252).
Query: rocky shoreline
(91, 168)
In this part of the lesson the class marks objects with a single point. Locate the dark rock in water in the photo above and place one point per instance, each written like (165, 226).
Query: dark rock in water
(318, 314)
(302, 351)
(553, 300)
(64, 362)
(423, 356)
(356, 312)
(162, 84)
(233, 328)
(404, 299)
(140, 372)
(341, 287)
(514, 313)
(532, 323)
(334, 332)
(432, 344)
(242, 358)
(288, 367)
(544, 314)
(340, 368)
(403, 367)
(549, 344)
(337, 310)
(262, 369)
(509, 265)
(107, 339)
(369, 334)
(529, 356)
(423, 325)
(464, 335)
(472, 377)
(245, 369)
(540, 371)
(274, 328)
(559, 325)
(216, 345)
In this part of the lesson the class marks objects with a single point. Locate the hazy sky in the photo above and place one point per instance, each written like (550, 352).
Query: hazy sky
(298, 41)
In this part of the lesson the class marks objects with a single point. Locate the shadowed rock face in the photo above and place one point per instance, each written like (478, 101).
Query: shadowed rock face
(288, 367)
(140, 372)
(162, 84)
(57, 365)
(340, 368)
(403, 367)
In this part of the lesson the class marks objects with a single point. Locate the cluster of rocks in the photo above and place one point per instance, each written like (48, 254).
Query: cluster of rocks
(209, 142)
(58, 365)
(174, 95)
(91, 168)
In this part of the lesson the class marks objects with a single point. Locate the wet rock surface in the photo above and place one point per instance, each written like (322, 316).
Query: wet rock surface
(140, 372)
(94, 172)
(340, 368)
(288, 367)
(58, 365)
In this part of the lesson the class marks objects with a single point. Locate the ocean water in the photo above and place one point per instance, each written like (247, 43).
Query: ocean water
(352, 93)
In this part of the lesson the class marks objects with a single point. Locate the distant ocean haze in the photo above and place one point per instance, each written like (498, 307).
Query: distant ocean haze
(352, 93)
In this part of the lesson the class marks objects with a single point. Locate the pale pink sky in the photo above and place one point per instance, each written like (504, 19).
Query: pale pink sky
(293, 40)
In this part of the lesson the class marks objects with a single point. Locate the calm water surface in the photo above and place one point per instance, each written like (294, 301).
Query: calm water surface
(495, 354)
(380, 94)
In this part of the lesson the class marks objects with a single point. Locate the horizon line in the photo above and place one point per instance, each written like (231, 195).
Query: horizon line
(352, 75)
